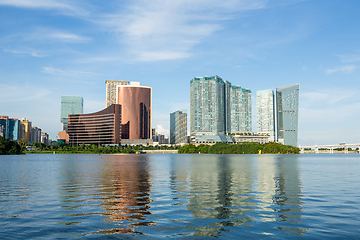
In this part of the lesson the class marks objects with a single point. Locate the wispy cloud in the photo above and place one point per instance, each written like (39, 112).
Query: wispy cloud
(158, 30)
(349, 58)
(60, 72)
(327, 96)
(31, 52)
(66, 37)
(23, 93)
(45, 35)
(343, 69)
(65, 6)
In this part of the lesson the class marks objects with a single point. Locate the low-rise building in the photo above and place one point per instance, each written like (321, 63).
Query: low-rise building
(211, 137)
(261, 138)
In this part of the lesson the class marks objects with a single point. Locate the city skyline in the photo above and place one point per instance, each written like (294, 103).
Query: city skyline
(65, 48)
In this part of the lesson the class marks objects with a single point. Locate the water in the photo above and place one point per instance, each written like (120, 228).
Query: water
(158, 196)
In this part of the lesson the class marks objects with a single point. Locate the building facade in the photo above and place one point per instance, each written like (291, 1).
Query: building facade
(135, 101)
(35, 134)
(70, 105)
(265, 112)
(219, 107)
(287, 108)
(10, 128)
(111, 91)
(238, 110)
(178, 127)
(27, 129)
(207, 104)
(103, 127)
(45, 138)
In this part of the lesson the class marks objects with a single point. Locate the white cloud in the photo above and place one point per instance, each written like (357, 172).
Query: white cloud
(67, 7)
(163, 30)
(160, 129)
(30, 52)
(326, 96)
(66, 37)
(343, 69)
(349, 58)
(60, 72)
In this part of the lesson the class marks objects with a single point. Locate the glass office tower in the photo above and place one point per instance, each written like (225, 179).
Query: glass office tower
(70, 105)
(178, 127)
(207, 104)
(265, 114)
(287, 114)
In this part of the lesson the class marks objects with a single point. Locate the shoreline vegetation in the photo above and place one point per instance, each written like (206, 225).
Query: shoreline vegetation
(240, 148)
(8, 147)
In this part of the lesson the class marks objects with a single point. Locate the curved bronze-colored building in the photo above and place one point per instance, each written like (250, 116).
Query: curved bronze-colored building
(103, 127)
(135, 101)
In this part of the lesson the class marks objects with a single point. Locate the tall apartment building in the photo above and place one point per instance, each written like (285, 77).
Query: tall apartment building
(287, 109)
(219, 107)
(45, 138)
(207, 105)
(10, 128)
(70, 105)
(136, 115)
(178, 127)
(27, 128)
(238, 110)
(111, 91)
(35, 134)
(265, 112)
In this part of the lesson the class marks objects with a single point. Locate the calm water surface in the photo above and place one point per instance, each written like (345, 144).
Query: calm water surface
(157, 196)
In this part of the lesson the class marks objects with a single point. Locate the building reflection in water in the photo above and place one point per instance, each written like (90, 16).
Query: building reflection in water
(230, 191)
(287, 198)
(221, 191)
(126, 190)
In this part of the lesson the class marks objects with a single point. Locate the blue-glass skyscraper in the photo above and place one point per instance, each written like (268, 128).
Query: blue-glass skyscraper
(70, 105)
(10, 128)
(287, 114)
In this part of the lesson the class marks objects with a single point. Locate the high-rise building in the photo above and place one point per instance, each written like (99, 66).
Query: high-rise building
(103, 127)
(10, 128)
(35, 134)
(217, 107)
(287, 108)
(238, 109)
(136, 115)
(111, 91)
(70, 105)
(207, 105)
(27, 128)
(265, 112)
(178, 127)
(45, 138)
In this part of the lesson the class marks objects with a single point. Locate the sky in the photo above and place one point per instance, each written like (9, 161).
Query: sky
(54, 48)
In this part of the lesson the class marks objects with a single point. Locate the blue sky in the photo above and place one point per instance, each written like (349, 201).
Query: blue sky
(54, 48)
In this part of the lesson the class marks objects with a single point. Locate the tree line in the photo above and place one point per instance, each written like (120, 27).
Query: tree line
(8, 147)
(240, 148)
